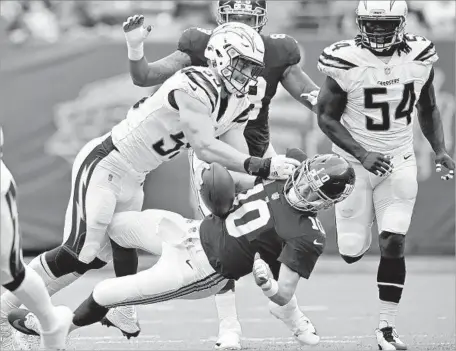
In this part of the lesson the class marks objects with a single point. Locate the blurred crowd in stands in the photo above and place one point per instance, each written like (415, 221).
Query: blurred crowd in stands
(50, 21)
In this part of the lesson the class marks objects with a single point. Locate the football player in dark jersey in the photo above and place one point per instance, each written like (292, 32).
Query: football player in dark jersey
(271, 229)
(282, 65)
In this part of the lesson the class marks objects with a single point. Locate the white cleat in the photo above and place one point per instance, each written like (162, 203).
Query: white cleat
(125, 319)
(56, 339)
(305, 332)
(27, 329)
(388, 339)
(229, 337)
(302, 329)
(6, 334)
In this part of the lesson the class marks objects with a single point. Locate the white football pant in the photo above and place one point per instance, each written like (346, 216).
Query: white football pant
(389, 200)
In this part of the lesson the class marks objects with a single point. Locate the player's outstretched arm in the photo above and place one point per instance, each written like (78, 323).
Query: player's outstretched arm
(197, 127)
(300, 86)
(431, 125)
(281, 291)
(143, 73)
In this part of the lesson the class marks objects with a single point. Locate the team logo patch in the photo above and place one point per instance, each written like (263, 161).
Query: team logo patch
(387, 70)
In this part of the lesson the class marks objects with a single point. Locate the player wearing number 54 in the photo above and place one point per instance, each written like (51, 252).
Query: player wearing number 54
(271, 230)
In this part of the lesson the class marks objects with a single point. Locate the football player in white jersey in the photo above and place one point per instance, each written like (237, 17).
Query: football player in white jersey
(375, 86)
(194, 108)
(22, 281)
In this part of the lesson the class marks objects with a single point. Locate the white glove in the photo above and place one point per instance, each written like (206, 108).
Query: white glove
(199, 174)
(263, 276)
(282, 167)
(312, 97)
(135, 33)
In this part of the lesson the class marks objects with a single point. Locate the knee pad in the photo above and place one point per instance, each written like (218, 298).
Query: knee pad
(62, 262)
(18, 278)
(352, 245)
(392, 245)
(350, 259)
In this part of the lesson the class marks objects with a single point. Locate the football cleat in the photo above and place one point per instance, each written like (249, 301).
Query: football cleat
(56, 339)
(125, 319)
(302, 329)
(24, 321)
(388, 339)
(229, 337)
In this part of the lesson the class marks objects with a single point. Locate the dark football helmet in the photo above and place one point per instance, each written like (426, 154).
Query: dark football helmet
(252, 13)
(320, 182)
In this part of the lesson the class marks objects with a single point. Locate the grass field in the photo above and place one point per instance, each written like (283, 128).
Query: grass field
(340, 299)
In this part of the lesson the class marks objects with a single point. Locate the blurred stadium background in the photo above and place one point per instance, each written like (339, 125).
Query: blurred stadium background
(64, 80)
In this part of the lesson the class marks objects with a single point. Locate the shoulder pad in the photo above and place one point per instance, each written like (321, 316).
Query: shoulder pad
(342, 55)
(200, 83)
(423, 50)
(337, 59)
(193, 42)
(281, 50)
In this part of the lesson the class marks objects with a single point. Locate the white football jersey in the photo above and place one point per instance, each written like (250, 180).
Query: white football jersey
(6, 178)
(151, 133)
(381, 97)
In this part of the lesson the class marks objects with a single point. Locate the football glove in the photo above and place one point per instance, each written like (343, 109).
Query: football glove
(262, 273)
(135, 33)
(282, 167)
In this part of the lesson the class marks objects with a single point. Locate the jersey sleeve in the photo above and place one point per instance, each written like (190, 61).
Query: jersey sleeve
(335, 62)
(193, 42)
(300, 255)
(424, 50)
(199, 86)
(281, 49)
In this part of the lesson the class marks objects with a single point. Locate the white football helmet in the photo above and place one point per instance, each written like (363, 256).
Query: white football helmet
(236, 52)
(381, 23)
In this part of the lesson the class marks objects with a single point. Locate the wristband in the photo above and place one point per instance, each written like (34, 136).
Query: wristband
(274, 289)
(135, 54)
(256, 166)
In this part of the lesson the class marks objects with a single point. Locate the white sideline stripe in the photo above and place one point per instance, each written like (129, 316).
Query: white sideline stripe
(391, 284)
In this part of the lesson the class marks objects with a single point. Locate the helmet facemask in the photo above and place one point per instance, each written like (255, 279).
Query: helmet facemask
(307, 189)
(381, 33)
(240, 73)
(255, 18)
(302, 190)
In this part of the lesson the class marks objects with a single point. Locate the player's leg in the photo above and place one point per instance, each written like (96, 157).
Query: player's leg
(354, 218)
(26, 285)
(230, 330)
(181, 272)
(90, 209)
(394, 201)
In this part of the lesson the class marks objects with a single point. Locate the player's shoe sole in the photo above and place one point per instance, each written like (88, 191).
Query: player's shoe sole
(106, 322)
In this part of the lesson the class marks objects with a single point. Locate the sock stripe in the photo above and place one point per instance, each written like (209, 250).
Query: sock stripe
(391, 284)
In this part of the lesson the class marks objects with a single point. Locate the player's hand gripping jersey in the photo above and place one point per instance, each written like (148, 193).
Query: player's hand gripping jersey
(151, 133)
(262, 221)
(281, 51)
(381, 96)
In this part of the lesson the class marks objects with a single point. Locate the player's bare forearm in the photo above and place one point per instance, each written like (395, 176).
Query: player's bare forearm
(213, 150)
(332, 101)
(288, 281)
(297, 82)
(146, 74)
(429, 116)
